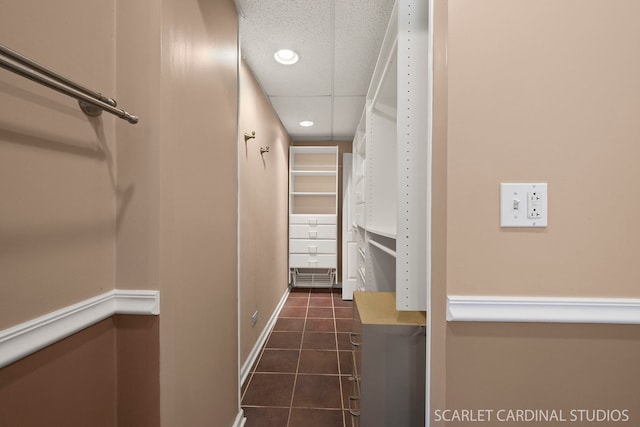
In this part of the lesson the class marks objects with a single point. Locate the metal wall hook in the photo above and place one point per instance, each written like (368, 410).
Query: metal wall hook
(264, 149)
(248, 136)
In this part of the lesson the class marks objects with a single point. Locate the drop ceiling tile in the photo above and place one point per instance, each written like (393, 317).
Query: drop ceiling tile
(347, 111)
(359, 30)
(338, 43)
(310, 77)
(304, 26)
(292, 110)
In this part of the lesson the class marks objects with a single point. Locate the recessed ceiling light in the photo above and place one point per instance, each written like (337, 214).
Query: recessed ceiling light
(306, 123)
(286, 56)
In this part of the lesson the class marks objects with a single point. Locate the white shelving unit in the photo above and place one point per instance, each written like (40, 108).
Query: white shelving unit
(392, 163)
(313, 207)
(359, 198)
(359, 174)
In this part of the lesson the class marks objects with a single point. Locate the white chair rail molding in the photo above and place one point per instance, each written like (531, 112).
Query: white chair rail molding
(28, 337)
(461, 308)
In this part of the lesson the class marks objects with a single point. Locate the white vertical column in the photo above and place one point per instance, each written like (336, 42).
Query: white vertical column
(414, 155)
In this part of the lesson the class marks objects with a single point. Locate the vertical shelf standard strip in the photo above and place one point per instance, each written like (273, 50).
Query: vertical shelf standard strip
(414, 149)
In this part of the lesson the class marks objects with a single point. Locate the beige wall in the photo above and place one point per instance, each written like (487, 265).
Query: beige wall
(437, 314)
(263, 210)
(198, 213)
(69, 229)
(57, 171)
(177, 212)
(138, 48)
(544, 91)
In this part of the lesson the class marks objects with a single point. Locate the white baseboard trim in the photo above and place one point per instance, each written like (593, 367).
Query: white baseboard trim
(28, 337)
(543, 309)
(240, 419)
(255, 351)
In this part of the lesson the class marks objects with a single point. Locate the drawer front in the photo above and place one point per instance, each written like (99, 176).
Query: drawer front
(312, 261)
(313, 219)
(312, 232)
(312, 247)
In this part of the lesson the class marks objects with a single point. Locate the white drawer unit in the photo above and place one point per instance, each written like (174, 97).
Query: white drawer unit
(313, 232)
(313, 219)
(312, 261)
(312, 247)
(313, 215)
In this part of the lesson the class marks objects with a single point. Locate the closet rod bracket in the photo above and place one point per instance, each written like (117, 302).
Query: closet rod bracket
(91, 103)
(89, 109)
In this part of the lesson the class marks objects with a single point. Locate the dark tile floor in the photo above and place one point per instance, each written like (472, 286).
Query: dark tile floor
(302, 377)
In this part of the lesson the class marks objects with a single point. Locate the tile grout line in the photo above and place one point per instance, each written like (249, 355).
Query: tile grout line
(295, 378)
(257, 362)
(332, 306)
(264, 347)
(335, 335)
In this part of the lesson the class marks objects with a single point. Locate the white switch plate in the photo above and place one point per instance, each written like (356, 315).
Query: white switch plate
(523, 205)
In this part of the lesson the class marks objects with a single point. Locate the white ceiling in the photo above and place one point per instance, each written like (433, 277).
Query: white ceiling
(338, 43)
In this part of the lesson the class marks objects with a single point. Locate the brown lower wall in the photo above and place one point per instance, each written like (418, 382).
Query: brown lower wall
(564, 367)
(103, 376)
(70, 383)
(138, 366)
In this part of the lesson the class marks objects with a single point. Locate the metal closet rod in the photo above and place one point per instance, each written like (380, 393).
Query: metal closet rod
(31, 70)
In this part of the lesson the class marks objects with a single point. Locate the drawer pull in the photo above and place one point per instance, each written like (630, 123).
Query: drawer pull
(313, 249)
(313, 234)
(420, 330)
(313, 221)
(313, 263)
(354, 360)
(352, 339)
(351, 410)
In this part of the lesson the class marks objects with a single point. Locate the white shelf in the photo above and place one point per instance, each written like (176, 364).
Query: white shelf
(382, 147)
(316, 149)
(385, 95)
(312, 193)
(362, 148)
(389, 234)
(301, 166)
(314, 172)
(383, 248)
(361, 273)
(386, 52)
